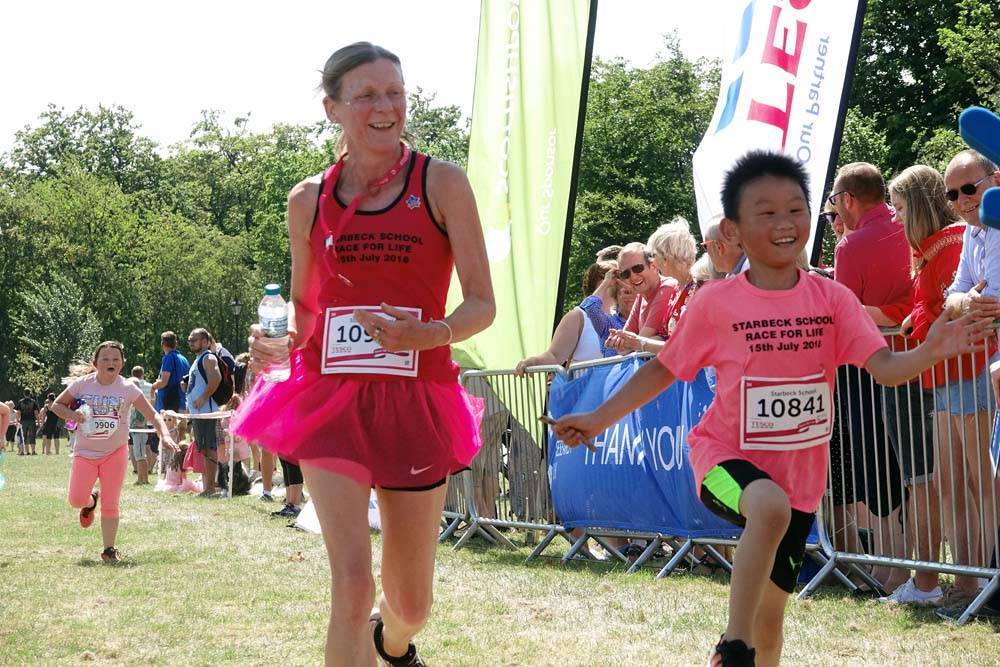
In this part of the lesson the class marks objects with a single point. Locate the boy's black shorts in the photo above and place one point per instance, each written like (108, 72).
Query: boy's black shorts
(721, 491)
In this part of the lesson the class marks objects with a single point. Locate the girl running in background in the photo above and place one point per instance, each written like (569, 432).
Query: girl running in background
(101, 452)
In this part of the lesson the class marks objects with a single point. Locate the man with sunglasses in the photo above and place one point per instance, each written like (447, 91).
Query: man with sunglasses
(976, 287)
(636, 270)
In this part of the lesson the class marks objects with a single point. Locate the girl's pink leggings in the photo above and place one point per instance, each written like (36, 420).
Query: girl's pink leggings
(110, 470)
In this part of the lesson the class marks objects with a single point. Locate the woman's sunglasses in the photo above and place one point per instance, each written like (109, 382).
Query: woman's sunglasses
(625, 273)
(828, 217)
(968, 189)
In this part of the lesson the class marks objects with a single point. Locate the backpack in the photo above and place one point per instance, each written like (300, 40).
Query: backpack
(224, 391)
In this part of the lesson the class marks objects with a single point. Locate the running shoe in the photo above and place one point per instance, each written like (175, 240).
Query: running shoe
(267, 497)
(908, 593)
(985, 612)
(87, 513)
(733, 653)
(411, 659)
(111, 555)
(289, 510)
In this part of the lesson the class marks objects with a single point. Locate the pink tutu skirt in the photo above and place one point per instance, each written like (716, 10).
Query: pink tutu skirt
(177, 482)
(393, 433)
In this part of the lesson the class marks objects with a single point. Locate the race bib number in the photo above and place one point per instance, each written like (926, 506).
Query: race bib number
(102, 426)
(347, 348)
(785, 413)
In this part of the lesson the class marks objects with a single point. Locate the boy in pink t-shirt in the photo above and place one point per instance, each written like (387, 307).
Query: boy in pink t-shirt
(775, 336)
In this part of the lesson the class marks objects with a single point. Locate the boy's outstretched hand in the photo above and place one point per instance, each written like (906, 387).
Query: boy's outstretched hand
(959, 336)
(576, 428)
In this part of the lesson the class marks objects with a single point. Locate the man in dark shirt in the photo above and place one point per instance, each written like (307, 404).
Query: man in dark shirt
(29, 420)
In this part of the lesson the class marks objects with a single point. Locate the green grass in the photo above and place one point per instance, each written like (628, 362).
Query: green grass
(217, 582)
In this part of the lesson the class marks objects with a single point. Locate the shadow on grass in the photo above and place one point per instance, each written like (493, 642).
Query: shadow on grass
(553, 560)
(124, 564)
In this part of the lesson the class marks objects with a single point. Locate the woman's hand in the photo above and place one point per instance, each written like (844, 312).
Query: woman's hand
(623, 341)
(906, 327)
(524, 364)
(266, 352)
(402, 330)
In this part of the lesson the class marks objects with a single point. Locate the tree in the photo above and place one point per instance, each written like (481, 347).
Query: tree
(903, 79)
(642, 128)
(55, 327)
(104, 143)
(863, 141)
(437, 130)
(941, 148)
(971, 44)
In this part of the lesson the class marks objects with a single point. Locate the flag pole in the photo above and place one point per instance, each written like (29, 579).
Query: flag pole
(838, 135)
(571, 208)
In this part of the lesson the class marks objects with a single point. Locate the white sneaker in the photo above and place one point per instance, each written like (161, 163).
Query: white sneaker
(908, 593)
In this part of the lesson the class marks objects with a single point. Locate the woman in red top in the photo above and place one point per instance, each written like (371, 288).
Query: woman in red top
(934, 233)
(374, 399)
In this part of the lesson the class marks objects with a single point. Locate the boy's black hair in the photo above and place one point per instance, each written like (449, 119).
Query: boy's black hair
(756, 164)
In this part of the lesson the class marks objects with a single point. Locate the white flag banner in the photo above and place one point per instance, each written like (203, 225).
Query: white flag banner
(782, 86)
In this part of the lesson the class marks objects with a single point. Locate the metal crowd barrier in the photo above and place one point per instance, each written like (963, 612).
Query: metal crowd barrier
(873, 514)
(879, 511)
(507, 484)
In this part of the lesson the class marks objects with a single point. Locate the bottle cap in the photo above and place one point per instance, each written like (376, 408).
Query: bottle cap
(272, 288)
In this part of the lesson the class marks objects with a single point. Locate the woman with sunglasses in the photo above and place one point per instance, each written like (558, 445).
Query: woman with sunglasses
(374, 399)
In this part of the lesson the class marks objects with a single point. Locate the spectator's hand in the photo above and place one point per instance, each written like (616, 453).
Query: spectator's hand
(523, 364)
(979, 306)
(623, 341)
(169, 443)
(574, 428)
(266, 352)
(906, 326)
(198, 403)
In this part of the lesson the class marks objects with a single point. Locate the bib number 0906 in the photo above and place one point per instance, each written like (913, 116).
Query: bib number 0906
(352, 333)
(792, 407)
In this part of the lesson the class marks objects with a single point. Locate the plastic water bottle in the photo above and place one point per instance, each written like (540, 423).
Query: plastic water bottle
(3, 480)
(87, 425)
(273, 313)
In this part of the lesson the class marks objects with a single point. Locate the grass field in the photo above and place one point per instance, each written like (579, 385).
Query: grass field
(218, 582)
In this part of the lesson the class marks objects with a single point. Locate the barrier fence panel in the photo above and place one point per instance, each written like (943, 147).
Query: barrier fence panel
(912, 478)
(507, 485)
(912, 484)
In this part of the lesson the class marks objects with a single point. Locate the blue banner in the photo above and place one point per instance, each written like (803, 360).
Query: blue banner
(639, 478)
(995, 445)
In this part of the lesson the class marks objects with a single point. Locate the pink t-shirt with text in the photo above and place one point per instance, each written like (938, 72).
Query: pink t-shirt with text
(775, 354)
(110, 404)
